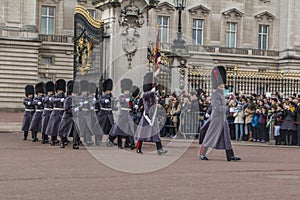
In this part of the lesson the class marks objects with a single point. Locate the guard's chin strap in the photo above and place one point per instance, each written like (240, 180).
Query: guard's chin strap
(150, 121)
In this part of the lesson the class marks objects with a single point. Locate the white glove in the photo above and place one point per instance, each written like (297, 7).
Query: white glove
(80, 103)
(106, 101)
(29, 103)
(153, 89)
(50, 98)
(76, 109)
(85, 102)
(92, 108)
(39, 103)
(136, 107)
(94, 99)
(62, 99)
(206, 115)
(127, 100)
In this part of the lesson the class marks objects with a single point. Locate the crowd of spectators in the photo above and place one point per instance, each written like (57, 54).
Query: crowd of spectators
(253, 118)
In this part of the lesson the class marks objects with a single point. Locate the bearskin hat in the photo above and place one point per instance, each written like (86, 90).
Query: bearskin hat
(60, 84)
(126, 84)
(84, 85)
(218, 76)
(29, 89)
(70, 85)
(40, 88)
(148, 82)
(135, 90)
(76, 87)
(107, 85)
(92, 88)
(49, 86)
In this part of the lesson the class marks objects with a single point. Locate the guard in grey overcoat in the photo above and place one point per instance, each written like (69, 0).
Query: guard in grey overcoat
(84, 113)
(67, 126)
(58, 110)
(93, 123)
(36, 122)
(148, 129)
(215, 131)
(105, 115)
(124, 126)
(48, 107)
(29, 109)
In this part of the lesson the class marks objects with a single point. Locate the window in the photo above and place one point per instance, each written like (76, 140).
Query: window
(48, 20)
(47, 60)
(198, 25)
(231, 35)
(92, 13)
(163, 21)
(263, 36)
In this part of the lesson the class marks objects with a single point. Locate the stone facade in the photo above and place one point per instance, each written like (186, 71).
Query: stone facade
(28, 55)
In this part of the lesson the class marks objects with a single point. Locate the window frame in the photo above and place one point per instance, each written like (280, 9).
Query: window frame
(229, 32)
(197, 29)
(261, 37)
(47, 17)
(164, 28)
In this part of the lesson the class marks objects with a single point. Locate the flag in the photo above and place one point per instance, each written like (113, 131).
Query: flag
(157, 54)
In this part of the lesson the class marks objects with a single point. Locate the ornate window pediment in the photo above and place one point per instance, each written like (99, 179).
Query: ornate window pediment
(265, 1)
(165, 6)
(265, 15)
(202, 10)
(233, 13)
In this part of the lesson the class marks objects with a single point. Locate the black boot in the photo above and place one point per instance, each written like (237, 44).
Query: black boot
(52, 141)
(25, 135)
(230, 156)
(63, 142)
(34, 136)
(98, 140)
(43, 139)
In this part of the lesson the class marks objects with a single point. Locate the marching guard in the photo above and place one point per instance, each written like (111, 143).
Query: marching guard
(215, 131)
(124, 127)
(67, 126)
(58, 110)
(93, 123)
(148, 129)
(105, 115)
(29, 109)
(48, 107)
(36, 122)
(84, 113)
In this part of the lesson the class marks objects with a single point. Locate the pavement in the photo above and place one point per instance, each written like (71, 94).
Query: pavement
(34, 171)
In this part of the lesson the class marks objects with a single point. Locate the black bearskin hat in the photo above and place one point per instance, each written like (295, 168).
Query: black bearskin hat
(84, 85)
(40, 88)
(107, 85)
(148, 82)
(76, 87)
(126, 84)
(29, 89)
(92, 88)
(70, 85)
(50, 86)
(135, 90)
(60, 84)
(218, 76)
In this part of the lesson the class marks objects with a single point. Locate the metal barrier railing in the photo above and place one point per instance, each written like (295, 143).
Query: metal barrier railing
(190, 123)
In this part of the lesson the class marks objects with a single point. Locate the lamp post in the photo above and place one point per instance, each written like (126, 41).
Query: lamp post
(179, 43)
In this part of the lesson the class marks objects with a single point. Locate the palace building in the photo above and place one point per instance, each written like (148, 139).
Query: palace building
(258, 41)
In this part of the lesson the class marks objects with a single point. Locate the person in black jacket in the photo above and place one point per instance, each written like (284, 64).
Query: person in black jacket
(29, 109)
(36, 123)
